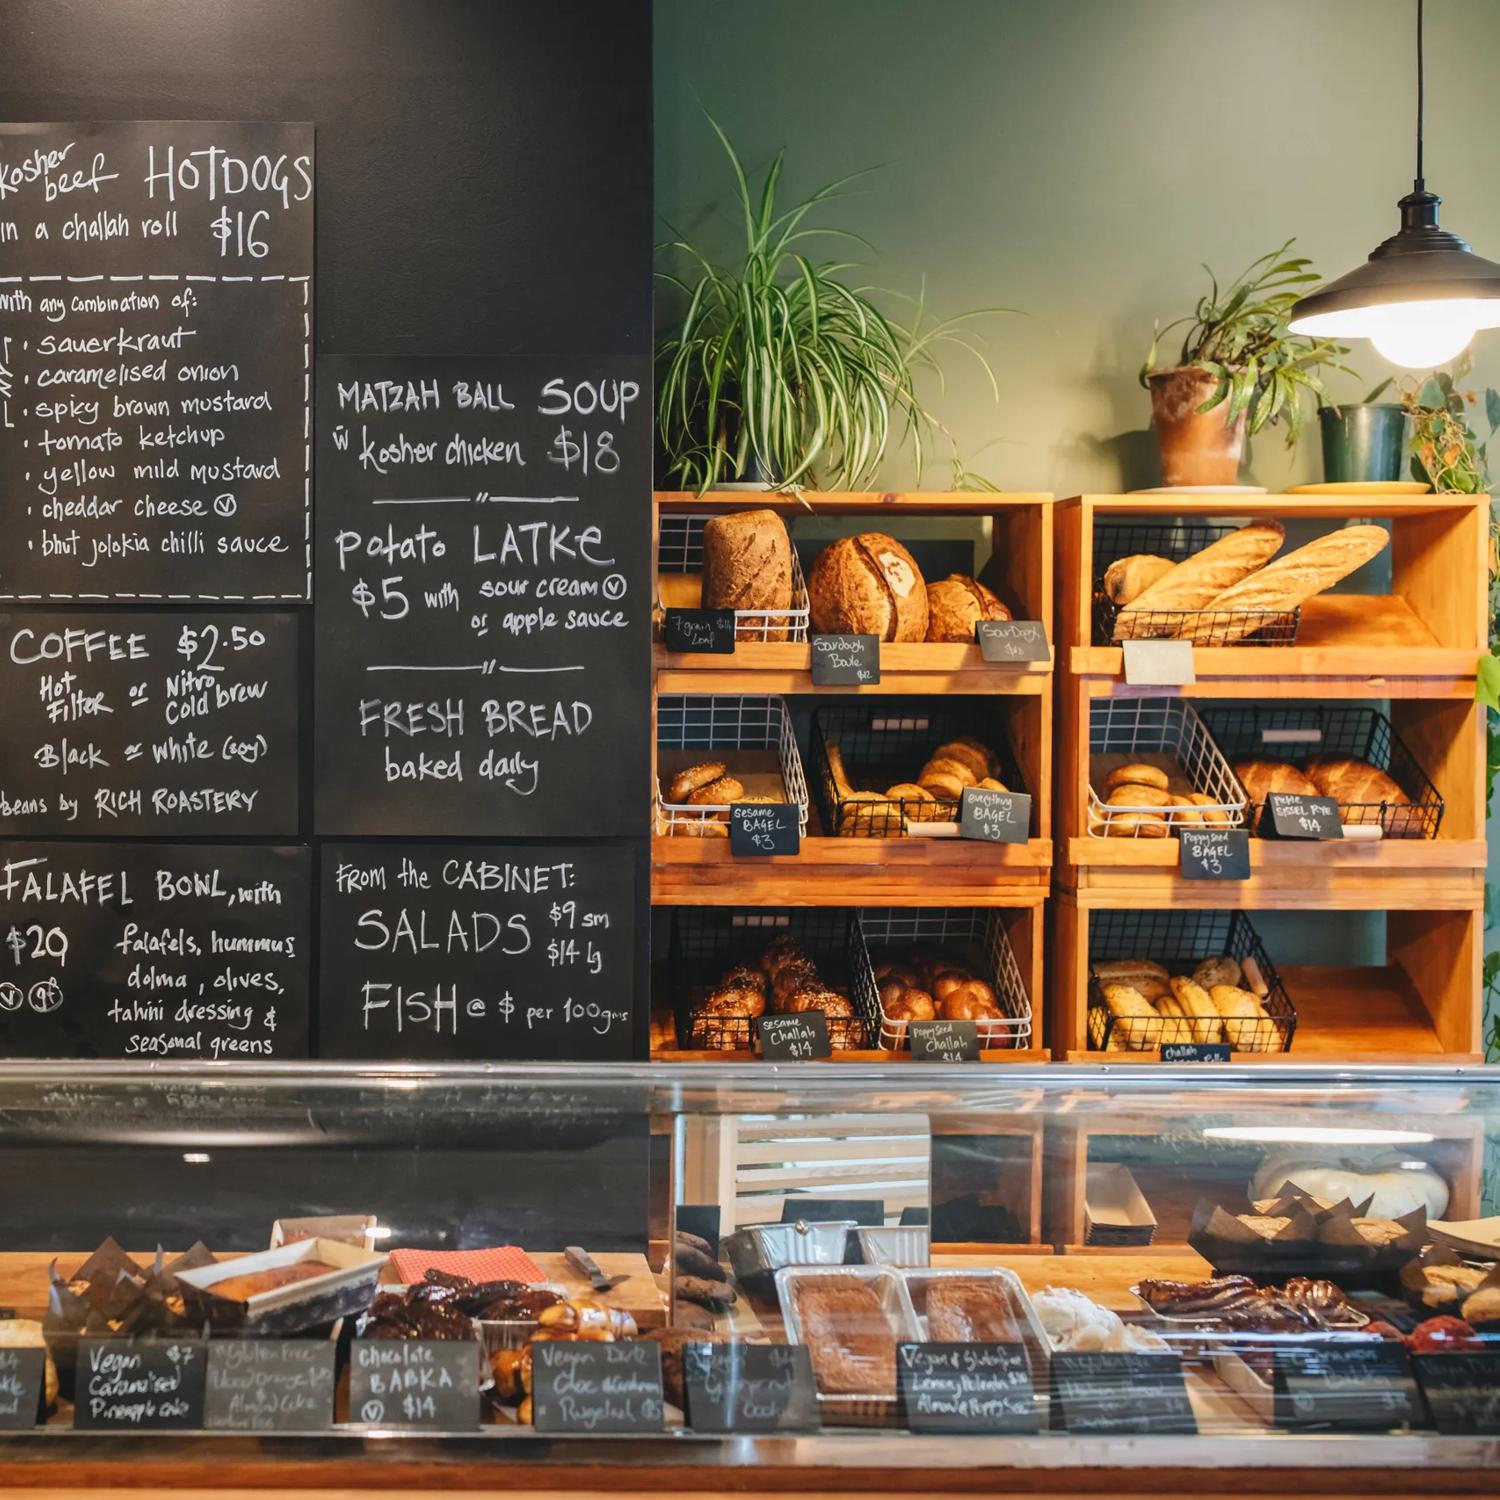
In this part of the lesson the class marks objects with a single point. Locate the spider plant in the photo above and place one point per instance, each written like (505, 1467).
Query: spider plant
(782, 367)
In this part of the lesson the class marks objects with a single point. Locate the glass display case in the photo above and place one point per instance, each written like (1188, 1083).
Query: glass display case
(918, 1270)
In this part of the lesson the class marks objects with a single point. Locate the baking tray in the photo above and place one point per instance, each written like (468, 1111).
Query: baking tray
(894, 1244)
(756, 1254)
(853, 1410)
(1356, 1320)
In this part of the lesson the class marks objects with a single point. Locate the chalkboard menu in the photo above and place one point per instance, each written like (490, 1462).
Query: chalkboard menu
(470, 951)
(128, 1385)
(22, 1374)
(270, 1385)
(155, 360)
(154, 951)
(148, 722)
(484, 597)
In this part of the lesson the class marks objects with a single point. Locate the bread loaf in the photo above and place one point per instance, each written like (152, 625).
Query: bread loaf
(868, 585)
(1127, 578)
(1137, 774)
(1198, 1006)
(747, 564)
(1358, 787)
(957, 604)
(1194, 584)
(1262, 777)
(1294, 579)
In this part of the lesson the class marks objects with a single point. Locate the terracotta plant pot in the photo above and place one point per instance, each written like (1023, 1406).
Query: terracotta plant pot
(1196, 447)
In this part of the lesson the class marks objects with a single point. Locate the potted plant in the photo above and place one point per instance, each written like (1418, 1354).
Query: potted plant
(784, 371)
(1239, 367)
(1364, 441)
(1446, 452)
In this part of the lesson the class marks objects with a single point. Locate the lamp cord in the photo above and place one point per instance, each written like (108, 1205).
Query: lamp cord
(1421, 90)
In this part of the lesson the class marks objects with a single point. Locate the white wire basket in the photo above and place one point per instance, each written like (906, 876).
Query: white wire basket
(720, 722)
(976, 939)
(1166, 733)
(680, 550)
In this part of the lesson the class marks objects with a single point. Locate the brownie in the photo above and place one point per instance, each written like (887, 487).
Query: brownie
(849, 1339)
(969, 1312)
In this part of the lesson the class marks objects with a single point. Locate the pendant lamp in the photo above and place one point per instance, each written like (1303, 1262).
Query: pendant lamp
(1422, 294)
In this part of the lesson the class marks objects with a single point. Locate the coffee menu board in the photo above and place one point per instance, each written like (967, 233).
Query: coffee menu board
(477, 952)
(484, 596)
(148, 722)
(154, 951)
(155, 361)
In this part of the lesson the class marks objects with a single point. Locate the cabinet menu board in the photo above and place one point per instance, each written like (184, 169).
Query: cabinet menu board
(155, 360)
(483, 602)
(148, 722)
(153, 951)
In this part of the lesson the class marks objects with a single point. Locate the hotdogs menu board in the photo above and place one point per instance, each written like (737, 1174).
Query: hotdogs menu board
(477, 952)
(483, 602)
(148, 722)
(153, 951)
(155, 360)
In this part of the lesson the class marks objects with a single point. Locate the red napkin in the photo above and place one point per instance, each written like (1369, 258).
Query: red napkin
(501, 1263)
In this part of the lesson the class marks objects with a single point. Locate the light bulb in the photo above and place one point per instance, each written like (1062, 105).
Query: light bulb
(1423, 334)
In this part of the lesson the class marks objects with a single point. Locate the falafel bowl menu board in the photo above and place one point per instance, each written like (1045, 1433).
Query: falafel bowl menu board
(156, 361)
(482, 616)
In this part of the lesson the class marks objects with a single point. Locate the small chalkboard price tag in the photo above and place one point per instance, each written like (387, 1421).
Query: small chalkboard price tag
(801, 1037)
(1213, 853)
(966, 1387)
(1012, 641)
(270, 1385)
(944, 1041)
(597, 1387)
(845, 660)
(1462, 1391)
(994, 817)
(762, 828)
(1140, 1393)
(1159, 663)
(708, 632)
(1294, 816)
(418, 1383)
(139, 1385)
(750, 1388)
(21, 1377)
(1195, 1052)
(1338, 1387)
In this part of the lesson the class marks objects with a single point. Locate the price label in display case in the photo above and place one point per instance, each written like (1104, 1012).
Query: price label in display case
(966, 1387)
(845, 660)
(1293, 816)
(750, 1388)
(139, 1385)
(597, 1387)
(1119, 1393)
(1346, 1387)
(414, 1383)
(944, 1041)
(1462, 1391)
(794, 1038)
(764, 828)
(22, 1372)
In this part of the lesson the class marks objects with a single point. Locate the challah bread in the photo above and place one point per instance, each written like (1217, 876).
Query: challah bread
(1262, 777)
(1356, 785)
(1194, 584)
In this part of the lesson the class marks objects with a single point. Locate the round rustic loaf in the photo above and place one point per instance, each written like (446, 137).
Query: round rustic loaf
(957, 604)
(747, 564)
(868, 585)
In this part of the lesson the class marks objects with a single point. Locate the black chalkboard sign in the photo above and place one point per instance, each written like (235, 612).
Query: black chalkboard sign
(1015, 642)
(414, 1383)
(750, 1388)
(706, 632)
(597, 1387)
(139, 1385)
(763, 828)
(155, 339)
(483, 611)
(1355, 1386)
(1108, 1393)
(148, 722)
(1293, 816)
(845, 660)
(269, 1385)
(1213, 853)
(1195, 1052)
(514, 951)
(154, 951)
(944, 1041)
(1462, 1391)
(994, 817)
(802, 1037)
(981, 1387)
(21, 1383)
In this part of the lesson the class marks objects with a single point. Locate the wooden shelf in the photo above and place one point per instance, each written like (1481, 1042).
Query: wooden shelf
(854, 502)
(1032, 1057)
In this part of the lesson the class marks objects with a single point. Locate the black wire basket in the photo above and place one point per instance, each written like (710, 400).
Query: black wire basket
(1296, 734)
(1177, 541)
(884, 746)
(708, 941)
(1180, 941)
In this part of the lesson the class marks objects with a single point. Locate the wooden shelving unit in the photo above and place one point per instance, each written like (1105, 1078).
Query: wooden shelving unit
(1414, 653)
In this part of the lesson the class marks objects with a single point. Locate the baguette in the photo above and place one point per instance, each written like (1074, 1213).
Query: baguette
(1193, 584)
(1294, 579)
(1241, 1013)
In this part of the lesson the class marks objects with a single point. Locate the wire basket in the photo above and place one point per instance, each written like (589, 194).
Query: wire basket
(1298, 734)
(975, 939)
(718, 722)
(680, 550)
(1177, 541)
(1163, 729)
(883, 746)
(707, 942)
(1180, 941)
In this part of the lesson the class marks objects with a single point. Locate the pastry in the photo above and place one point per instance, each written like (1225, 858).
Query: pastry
(850, 1341)
(945, 785)
(1127, 578)
(1379, 1232)
(691, 1261)
(1262, 777)
(747, 564)
(1243, 1016)
(1137, 775)
(685, 783)
(242, 1288)
(1483, 1306)
(693, 1242)
(1074, 1322)
(1128, 970)
(1292, 580)
(1198, 1006)
(957, 604)
(1131, 1009)
(961, 1311)
(1362, 791)
(868, 585)
(1131, 795)
(969, 753)
(1220, 970)
(1199, 582)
